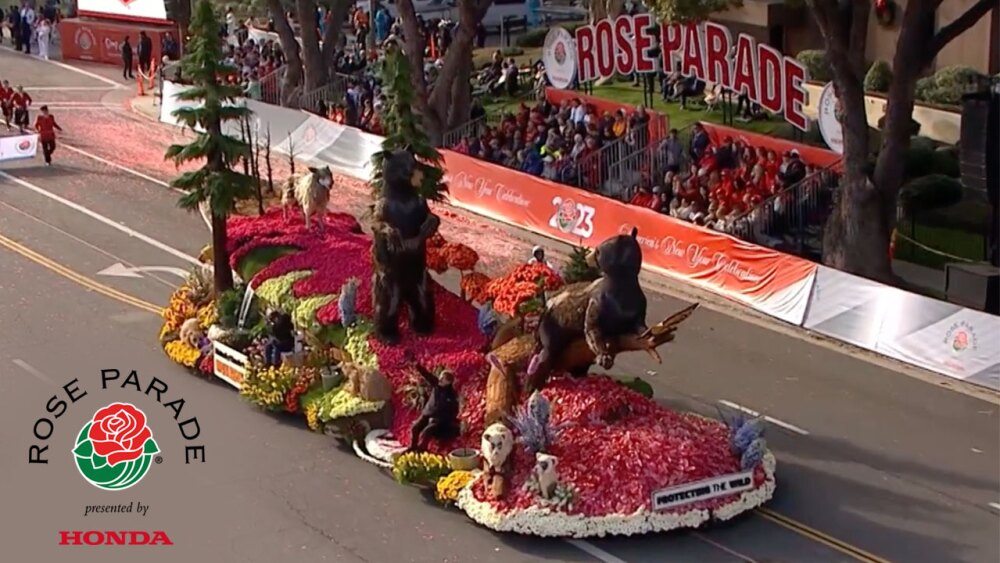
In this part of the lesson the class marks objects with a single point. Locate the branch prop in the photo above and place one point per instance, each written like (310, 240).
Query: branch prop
(514, 354)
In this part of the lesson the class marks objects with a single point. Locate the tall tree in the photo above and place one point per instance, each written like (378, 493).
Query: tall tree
(404, 128)
(445, 104)
(859, 229)
(311, 63)
(213, 105)
(857, 233)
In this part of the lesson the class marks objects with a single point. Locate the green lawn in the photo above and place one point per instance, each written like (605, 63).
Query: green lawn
(946, 241)
(259, 258)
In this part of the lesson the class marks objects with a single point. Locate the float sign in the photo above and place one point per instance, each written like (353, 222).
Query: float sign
(830, 112)
(688, 493)
(229, 365)
(559, 58)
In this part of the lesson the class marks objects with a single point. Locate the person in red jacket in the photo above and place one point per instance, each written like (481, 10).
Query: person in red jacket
(21, 100)
(6, 92)
(45, 125)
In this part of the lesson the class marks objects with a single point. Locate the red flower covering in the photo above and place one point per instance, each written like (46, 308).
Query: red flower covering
(207, 364)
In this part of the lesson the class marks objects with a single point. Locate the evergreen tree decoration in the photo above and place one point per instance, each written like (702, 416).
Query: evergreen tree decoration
(577, 269)
(216, 183)
(402, 127)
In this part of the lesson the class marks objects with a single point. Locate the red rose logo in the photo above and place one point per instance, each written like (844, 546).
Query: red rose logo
(118, 432)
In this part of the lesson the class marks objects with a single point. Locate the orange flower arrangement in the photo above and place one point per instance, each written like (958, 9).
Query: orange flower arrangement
(460, 256)
(523, 283)
(473, 286)
(436, 260)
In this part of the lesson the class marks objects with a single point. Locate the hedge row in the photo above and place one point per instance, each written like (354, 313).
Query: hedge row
(944, 87)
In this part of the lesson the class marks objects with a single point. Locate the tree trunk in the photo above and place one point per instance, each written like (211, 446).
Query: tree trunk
(292, 82)
(312, 57)
(331, 35)
(223, 274)
(180, 12)
(450, 99)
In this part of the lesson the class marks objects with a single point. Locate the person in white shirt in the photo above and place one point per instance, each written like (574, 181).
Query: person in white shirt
(538, 257)
(44, 38)
(579, 112)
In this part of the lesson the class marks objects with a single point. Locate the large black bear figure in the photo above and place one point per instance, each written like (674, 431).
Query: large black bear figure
(402, 223)
(599, 311)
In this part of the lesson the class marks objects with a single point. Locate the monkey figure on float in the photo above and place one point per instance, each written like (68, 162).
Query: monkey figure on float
(401, 224)
(600, 311)
(439, 418)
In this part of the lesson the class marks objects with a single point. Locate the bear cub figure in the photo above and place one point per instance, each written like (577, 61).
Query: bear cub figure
(600, 311)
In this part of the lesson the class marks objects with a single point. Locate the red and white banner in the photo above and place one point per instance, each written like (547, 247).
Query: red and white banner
(135, 10)
(18, 147)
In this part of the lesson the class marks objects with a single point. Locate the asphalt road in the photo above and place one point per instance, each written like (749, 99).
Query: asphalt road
(869, 460)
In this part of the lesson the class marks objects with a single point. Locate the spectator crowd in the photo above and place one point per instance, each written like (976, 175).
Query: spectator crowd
(712, 185)
(562, 143)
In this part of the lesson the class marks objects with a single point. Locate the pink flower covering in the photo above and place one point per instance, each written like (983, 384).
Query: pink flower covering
(617, 447)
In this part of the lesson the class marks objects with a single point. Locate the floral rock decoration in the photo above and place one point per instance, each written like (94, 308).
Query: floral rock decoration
(615, 447)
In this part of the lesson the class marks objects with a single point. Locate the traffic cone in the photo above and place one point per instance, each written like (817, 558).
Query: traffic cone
(138, 78)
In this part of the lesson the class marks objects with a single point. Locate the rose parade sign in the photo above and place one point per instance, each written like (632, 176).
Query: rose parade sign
(707, 51)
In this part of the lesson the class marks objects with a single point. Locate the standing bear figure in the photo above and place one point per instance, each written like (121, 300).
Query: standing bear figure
(401, 224)
(601, 311)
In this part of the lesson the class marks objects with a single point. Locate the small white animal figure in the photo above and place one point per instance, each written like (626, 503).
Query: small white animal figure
(191, 332)
(496, 445)
(545, 474)
(311, 191)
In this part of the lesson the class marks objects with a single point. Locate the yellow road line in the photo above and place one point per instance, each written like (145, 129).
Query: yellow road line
(76, 277)
(783, 521)
(819, 537)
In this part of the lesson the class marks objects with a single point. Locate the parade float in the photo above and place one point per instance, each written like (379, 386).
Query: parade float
(483, 396)
(586, 456)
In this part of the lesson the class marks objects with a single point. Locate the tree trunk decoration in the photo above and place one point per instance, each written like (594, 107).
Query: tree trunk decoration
(503, 385)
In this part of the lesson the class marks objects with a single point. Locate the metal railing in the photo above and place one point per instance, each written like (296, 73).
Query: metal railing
(470, 129)
(333, 92)
(594, 172)
(792, 220)
(271, 86)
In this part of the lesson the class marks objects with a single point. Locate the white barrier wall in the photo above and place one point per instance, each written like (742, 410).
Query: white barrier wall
(935, 335)
(18, 147)
(938, 336)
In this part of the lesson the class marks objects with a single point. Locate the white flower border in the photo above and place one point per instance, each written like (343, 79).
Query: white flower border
(539, 521)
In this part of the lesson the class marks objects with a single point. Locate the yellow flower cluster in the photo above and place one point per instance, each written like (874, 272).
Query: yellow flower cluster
(277, 292)
(180, 309)
(312, 417)
(304, 316)
(356, 345)
(448, 487)
(338, 403)
(420, 468)
(208, 315)
(180, 352)
(266, 386)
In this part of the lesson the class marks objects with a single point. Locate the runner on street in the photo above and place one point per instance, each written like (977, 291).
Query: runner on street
(21, 101)
(45, 125)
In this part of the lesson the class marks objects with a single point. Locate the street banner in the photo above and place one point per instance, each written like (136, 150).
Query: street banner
(18, 147)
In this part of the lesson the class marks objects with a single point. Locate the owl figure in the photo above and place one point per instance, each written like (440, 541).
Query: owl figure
(545, 474)
(496, 446)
